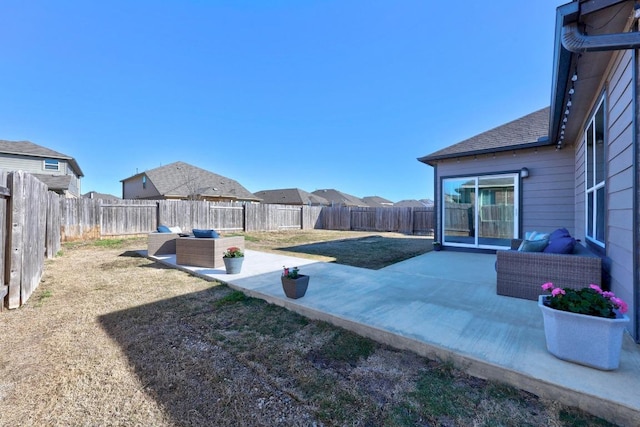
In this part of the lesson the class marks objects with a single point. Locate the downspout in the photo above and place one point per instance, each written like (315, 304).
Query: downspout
(575, 41)
(636, 197)
(436, 198)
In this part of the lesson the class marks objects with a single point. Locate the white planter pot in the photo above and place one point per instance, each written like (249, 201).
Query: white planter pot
(233, 265)
(588, 340)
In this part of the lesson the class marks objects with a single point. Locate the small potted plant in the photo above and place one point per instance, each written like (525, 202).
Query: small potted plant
(437, 245)
(233, 258)
(585, 325)
(294, 284)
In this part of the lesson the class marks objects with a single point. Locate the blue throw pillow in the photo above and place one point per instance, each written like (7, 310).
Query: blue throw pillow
(163, 229)
(205, 233)
(559, 233)
(562, 245)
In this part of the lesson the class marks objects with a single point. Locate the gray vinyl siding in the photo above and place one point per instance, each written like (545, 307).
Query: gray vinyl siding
(32, 164)
(35, 165)
(619, 184)
(547, 195)
(132, 189)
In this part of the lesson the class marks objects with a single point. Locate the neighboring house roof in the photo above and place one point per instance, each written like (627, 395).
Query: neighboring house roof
(180, 179)
(335, 197)
(377, 202)
(56, 183)
(103, 196)
(528, 131)
(290, 196)
(411, 204)
(27, 148)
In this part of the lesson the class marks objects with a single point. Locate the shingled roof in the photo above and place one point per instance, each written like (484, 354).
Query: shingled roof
(27, 148)
(180, 179)
(290, 196)
(336, 197)
(528, 131)
(55, 183)
(377, 201)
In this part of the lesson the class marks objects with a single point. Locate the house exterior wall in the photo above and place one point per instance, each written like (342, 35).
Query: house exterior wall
(617, 88)
(619, 185)
(133, 188)
(547, 195)
(29, 164)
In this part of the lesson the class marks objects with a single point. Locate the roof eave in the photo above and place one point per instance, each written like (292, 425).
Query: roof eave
(562, 59)
(544, 141)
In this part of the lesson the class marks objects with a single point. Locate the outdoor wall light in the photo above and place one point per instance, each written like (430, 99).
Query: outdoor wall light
(524, 173)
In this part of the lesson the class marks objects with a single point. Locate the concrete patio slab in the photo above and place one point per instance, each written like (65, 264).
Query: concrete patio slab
(444, 305)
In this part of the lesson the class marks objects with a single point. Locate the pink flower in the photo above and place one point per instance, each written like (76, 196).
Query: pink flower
(547, 286)
(558, 291)
(608, 294)
(596, 288)
(620, 305)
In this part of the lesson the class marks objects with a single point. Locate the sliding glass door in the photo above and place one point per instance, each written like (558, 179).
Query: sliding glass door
(480, 211)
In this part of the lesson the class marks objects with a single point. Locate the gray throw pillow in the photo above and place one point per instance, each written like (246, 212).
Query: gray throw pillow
(533, 245)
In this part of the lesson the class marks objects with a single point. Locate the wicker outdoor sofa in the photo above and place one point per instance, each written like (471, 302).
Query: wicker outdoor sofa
(521, 274)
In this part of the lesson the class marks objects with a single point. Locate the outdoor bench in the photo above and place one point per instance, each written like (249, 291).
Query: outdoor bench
(205, 251)
(161, 243)
(521, 274)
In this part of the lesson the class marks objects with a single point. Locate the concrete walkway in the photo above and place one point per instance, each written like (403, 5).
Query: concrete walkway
(444, 305)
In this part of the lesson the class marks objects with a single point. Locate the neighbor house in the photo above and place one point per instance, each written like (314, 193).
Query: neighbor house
(338, 198)
(377, 202)
(182, 181)
(573, 165)
(100, 196)
(59, 171)
(290, 196)
(413, 203)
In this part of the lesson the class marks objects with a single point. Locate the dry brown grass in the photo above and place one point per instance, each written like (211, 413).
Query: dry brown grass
(111, 338)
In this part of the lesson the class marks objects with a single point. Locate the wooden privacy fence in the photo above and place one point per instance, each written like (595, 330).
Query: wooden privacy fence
(494, 220)
(29, 231)
(94, 218)
(34, 221)
(411, 220)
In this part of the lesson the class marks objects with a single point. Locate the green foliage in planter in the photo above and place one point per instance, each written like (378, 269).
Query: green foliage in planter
(591, 301)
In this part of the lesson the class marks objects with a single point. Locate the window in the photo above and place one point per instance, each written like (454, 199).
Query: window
(144, 181)
(480, 211)
(595, 177)
(51, 165)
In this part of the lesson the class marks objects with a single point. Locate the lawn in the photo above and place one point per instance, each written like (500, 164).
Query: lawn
(112, 338)
(358, 249)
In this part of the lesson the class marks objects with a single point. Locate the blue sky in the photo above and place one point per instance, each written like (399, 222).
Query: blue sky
(342, 94)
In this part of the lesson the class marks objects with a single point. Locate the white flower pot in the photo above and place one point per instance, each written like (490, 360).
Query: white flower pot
(233, 265)
(588, 340)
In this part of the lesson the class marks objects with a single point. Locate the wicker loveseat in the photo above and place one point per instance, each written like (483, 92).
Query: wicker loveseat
(520, 274)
